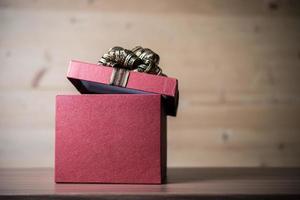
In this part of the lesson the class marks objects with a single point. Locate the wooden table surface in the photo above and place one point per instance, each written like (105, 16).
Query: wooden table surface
(183, 183)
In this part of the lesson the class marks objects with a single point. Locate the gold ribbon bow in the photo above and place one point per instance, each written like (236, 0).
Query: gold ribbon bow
(138, 59)
(122, 60)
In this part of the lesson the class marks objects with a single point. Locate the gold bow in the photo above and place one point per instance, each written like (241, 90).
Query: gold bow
(138, 59)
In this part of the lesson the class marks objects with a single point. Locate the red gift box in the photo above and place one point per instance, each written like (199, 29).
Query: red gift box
(113, 134)
(91, 78)
(110, 138)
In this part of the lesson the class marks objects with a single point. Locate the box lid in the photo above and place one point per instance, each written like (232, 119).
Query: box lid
(91, 78)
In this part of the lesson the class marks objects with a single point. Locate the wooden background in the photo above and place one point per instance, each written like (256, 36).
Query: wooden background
(238, 65)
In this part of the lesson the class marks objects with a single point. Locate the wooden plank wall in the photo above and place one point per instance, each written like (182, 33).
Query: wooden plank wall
(238, 65)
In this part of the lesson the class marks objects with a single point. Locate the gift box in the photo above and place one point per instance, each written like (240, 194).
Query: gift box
(110, 138)
(111, 133)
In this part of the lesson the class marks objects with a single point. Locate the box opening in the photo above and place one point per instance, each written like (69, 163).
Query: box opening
(89, 87)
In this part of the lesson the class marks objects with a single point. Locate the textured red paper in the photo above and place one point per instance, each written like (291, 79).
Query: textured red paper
(111, 138)
(165, 86)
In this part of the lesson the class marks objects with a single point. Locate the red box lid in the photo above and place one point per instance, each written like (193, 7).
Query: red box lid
(91, 78)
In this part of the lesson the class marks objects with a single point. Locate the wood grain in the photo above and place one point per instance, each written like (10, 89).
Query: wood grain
(237, 62)
(183, 183)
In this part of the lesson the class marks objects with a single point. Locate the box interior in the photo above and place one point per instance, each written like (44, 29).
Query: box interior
(97, 88)
(89, 87)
